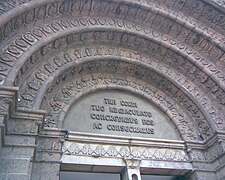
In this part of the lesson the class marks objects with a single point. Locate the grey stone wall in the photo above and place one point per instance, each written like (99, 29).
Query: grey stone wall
(53, 53)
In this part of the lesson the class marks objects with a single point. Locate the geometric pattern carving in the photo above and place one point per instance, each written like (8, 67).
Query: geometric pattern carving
(218, 118)
(55, 102)
(181, 44)
(149, 153)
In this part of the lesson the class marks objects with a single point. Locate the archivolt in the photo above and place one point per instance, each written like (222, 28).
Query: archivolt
(170, 48)
(17, 53)
(130, 41)
(58, 102)
(141, 39)
(90, 65)
(121, 11)
(187, 11)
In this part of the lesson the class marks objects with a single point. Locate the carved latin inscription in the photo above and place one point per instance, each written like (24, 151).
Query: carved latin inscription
(113, 112)
(122, 112)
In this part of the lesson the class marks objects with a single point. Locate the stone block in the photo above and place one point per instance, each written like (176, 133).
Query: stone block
(19, 177)
(9, 165)
(18, 152)
(47, 156)
(3, 176)
(21, 126)
(221, 172)
(20, 140)
(45, 171)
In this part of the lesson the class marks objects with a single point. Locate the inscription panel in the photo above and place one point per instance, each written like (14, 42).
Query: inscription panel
(115, 112)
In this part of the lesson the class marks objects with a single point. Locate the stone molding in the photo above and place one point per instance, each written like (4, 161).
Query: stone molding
(15, 121)
(18, 49)
(126, 148)
(55, 51)
(47, 151)
(158, 154)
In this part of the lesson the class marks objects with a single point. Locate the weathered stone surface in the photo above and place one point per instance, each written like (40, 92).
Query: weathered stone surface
(63, 56)
(114, 112)
(15, 165)
(42, 171)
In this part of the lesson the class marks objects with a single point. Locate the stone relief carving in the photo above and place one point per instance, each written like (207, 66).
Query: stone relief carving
(197, 155)
(49, 144)
(18, 127)
(192, 53)
(210, 154)
(68, 93)
(142, 59)
(10, 4)
(124, 152)
(199, 56)
(215, 89)
(120, 11)
(15, 49)
(214, 151)
(31, 85)
(86, 82)
(4, 104)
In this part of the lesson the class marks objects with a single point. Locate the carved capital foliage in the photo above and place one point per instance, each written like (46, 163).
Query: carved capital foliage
(4, 104)
(209, 153)
(49, 144)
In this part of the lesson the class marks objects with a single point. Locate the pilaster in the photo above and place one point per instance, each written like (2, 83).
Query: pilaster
(19, 131)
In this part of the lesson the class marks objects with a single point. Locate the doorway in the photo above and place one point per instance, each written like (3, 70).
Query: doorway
(68, 175)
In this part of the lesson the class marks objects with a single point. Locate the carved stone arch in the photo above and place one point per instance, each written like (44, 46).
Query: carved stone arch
(48, 82)
(68, 77)
(218, 116)
(14, 71)
(218, 73)
(179, 47)
(180, 44)
(155, 7)
(19, 62)
(182, 127)
(160, 72)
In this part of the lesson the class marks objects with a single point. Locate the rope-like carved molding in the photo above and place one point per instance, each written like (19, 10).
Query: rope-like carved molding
(171, 12)
(20, 48)
(161, 54)
(8, 5)
(39, 78)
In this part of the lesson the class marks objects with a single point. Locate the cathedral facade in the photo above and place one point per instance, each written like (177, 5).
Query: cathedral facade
(130, 87)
